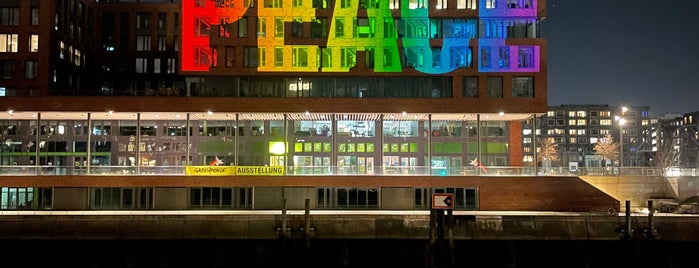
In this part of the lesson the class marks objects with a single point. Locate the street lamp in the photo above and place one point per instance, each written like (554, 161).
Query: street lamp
(621, 121)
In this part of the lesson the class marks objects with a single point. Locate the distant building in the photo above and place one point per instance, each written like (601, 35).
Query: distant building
(577, 128)
(690, 140)
(675, 141)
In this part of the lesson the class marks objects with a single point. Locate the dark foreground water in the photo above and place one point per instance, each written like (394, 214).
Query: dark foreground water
(347, 253)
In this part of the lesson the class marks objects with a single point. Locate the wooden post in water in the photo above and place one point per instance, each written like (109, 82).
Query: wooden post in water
(450, 235)
(651, 234)
(440, 237)
(307, 232)
(284, 234)
(651, 224)
(628, 218)
(433, 236)
(283, 231)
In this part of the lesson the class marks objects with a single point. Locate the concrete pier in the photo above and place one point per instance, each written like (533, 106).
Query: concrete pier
(352, 225)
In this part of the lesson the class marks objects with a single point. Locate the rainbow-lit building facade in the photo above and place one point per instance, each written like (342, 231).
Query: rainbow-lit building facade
(319, 36)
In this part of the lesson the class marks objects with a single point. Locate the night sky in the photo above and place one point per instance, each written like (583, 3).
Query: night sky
(624, 52)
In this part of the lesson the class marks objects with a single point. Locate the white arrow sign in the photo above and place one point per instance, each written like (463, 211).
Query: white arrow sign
(442, 201)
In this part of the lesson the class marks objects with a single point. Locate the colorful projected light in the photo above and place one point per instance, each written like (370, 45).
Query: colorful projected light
(380, 37)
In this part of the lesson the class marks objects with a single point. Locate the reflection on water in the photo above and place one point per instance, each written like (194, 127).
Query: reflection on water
(348, 253)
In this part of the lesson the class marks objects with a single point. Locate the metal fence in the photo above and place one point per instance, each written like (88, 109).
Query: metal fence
(32, 170)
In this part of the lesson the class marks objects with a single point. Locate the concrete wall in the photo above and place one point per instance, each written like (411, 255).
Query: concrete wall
(687, 187)
(268, 198)
(297, 197)
(70, 199)
(401, 198)
(639, 189)
(170, 198)
(495, 193)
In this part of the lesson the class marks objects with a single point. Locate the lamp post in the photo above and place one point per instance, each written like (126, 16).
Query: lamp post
(621, 141)
(621, 121)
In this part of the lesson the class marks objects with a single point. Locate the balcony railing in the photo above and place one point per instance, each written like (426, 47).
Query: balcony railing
(45, 170)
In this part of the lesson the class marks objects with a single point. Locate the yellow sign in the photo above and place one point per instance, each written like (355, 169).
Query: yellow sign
(259, 171)
(233, 170)
(210, 170)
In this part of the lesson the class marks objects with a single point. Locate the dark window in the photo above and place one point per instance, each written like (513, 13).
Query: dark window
(494, 86)
(470, 87)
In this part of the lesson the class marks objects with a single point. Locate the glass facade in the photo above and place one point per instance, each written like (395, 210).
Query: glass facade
(163, 143)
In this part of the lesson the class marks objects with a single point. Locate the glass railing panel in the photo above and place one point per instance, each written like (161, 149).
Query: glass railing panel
(113, 170)
(15, 170)
(52, 170)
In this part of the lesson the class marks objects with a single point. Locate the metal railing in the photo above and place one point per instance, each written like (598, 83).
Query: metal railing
(45, 170)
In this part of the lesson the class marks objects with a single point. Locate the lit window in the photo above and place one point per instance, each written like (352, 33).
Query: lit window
(394, 4)
(278, 27)
(143, 43)
(161, 43)
(300, 57)
(171, 66)
(441, 4)
(261, 27)
(141, 65)
(272, 3)
(278, 57)
(345, 3)
(349, 57)
(339, 27)
(156, 66)
(326, 59)
(466, 4)
(8, 42)
(263, 57)
(489, 4)
(34, 43)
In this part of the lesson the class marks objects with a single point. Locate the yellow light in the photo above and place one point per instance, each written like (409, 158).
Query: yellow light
(277, 147)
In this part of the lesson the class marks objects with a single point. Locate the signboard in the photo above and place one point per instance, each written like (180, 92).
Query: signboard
(214, 170)
(259, 170)
(442, 201)
(209, 170)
